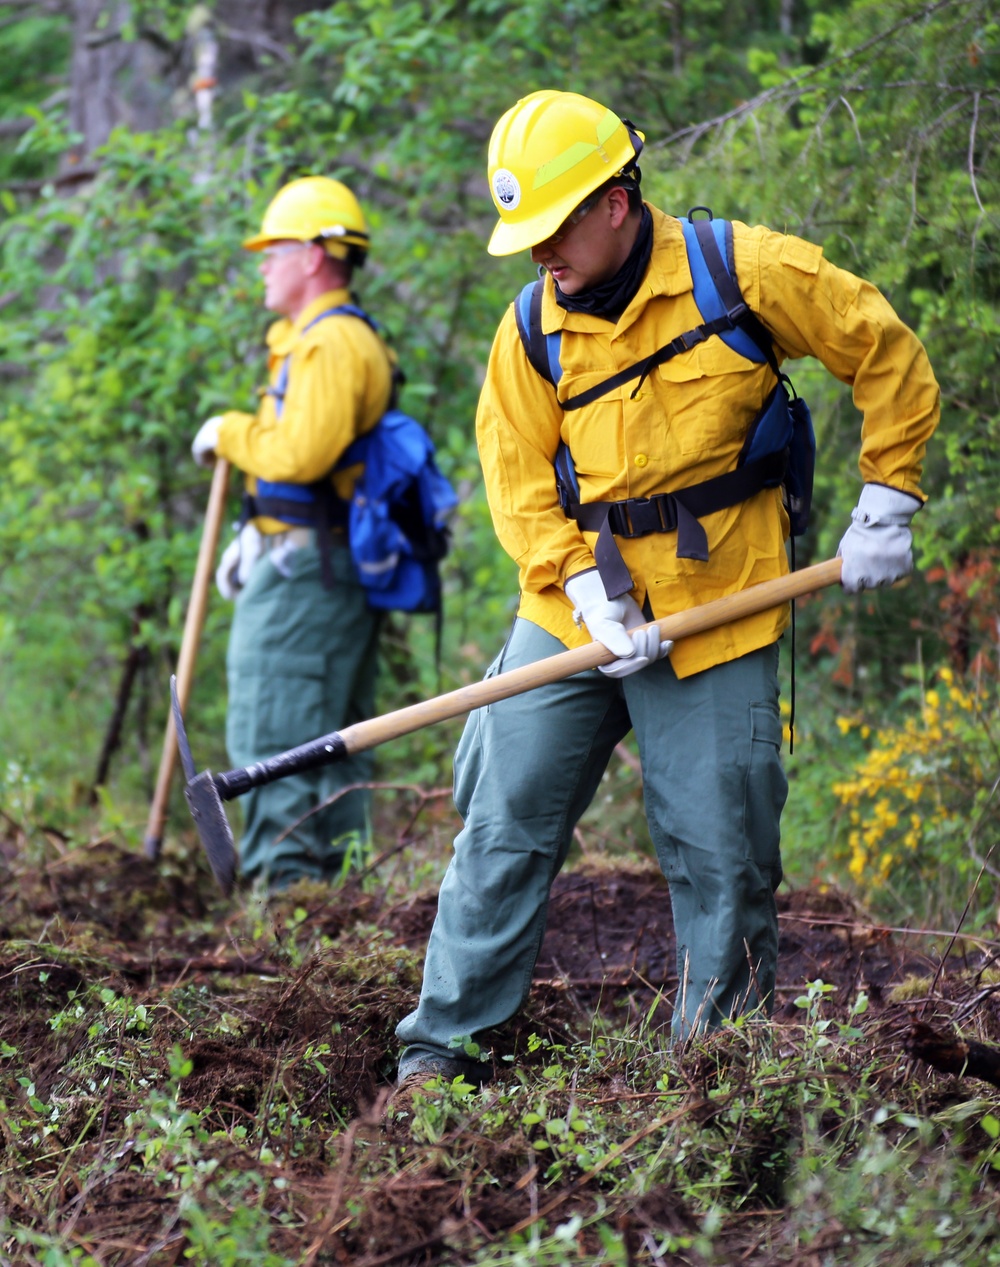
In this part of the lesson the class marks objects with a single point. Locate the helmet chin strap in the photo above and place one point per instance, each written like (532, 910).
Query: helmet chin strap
(632, 168)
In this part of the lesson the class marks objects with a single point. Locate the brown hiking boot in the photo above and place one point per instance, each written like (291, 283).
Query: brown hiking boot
(397, 1115)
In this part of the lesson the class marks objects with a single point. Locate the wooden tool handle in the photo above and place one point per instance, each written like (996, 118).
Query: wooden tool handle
(193, 624)
(369, 734)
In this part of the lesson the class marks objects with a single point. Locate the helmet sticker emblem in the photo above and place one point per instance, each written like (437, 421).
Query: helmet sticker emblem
(506, 189)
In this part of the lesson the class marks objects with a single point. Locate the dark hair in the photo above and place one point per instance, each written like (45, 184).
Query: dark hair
(351, 262)
(356, 256)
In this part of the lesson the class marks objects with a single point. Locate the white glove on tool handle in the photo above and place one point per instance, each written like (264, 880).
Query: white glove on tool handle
(203, 445)
(877, 549)
(615, 622)
(237, 560)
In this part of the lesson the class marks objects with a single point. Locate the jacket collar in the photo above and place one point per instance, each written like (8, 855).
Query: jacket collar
(668, 273)
(284, 334)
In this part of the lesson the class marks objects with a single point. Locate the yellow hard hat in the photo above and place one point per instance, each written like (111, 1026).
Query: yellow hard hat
(546, 155)
(314, 209)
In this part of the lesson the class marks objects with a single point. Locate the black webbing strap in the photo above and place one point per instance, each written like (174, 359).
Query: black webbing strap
(285, 509)
(681, 509)
(737, 314)
(323, 527)
(791, 714)
(668, 512)
(536, 350)
(324, 513)
(683, 343)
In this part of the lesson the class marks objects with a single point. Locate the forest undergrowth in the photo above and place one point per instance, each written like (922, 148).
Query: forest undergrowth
(189, 1079)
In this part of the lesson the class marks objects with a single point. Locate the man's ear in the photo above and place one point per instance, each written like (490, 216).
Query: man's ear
(336, 272)
(618, 205)
(315, 259)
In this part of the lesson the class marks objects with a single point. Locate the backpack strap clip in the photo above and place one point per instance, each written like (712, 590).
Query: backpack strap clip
(639, 516)
(737, 313)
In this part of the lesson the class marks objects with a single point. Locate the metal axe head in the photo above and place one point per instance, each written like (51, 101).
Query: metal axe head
(206, 808)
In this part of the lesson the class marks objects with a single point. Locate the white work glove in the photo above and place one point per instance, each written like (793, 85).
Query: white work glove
(203, 445)
(877, 549)
(615, 622)
(237, 560)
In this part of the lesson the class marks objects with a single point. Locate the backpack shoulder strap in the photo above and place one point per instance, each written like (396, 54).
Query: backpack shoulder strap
(280, 386)
(716, 291)
(542, 350)
(349, 310)
(716, 295)
(353, 310)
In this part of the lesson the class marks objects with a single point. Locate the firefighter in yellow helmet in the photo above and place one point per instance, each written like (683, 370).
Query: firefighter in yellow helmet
(302, 648)
(315, 209)
(632, 473)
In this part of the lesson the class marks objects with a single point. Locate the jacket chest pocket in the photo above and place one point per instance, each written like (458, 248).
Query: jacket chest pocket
(709, 397)
(594, 433)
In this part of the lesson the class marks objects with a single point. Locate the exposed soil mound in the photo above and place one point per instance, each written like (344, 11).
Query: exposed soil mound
(149, 1031)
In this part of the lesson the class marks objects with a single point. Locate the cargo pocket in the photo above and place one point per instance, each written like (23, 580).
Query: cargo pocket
(274, 704)
(765, 791)
(469, 753)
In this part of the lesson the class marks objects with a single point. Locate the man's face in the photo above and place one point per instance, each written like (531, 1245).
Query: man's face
(585, 253)
(285, 268)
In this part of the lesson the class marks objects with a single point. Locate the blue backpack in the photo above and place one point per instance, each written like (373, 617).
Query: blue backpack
(780, 446)
(397, 521)
(397, 518)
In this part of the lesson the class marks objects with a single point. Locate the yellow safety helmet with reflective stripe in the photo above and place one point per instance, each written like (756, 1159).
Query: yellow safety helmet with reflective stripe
(546, 155)
(314, 209)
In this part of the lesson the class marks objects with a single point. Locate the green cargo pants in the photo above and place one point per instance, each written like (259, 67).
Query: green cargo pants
(301, 663)
(527, 768)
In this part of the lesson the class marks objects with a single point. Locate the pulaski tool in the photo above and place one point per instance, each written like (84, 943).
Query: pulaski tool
(193, 624)
(206, 792)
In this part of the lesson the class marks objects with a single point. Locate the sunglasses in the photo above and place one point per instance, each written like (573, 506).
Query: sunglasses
(284, 248)
(575, 216)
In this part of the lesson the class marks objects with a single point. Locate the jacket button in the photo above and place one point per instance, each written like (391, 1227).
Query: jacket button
(641, 459)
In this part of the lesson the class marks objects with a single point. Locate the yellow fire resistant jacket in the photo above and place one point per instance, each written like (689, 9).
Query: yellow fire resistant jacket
(339, 385)
(687, 424)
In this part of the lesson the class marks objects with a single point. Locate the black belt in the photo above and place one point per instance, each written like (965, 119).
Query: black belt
(669, 512)
(326, 512)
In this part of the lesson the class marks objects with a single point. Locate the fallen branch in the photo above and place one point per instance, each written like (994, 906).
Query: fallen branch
(949, 1053)
(879, 932)
(612, 983)
(255, 965)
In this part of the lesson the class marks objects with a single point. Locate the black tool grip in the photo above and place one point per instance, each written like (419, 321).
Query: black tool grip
(308, 756)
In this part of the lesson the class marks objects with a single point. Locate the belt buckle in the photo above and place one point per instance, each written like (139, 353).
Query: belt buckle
(644, 516)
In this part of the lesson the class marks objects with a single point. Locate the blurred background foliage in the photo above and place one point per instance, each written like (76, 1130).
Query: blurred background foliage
(128, 314)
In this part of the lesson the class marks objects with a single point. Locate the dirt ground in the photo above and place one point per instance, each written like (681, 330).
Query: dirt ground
(250, 993)
(610, 943)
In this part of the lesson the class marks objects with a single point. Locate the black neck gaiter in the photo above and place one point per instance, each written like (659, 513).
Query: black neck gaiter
(610, 299)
